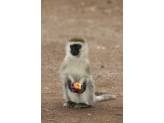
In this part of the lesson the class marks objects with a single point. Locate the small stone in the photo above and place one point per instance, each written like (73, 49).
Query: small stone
(90, 21)
(99, 63)
(104, 75)
(102, 66)
(116, 74)
(89, 114)
(55, 17)
(46, 110)
(92, 9)
(46, 87)
(98, 47)
(51, 69)
(103, 48)
(98, 75)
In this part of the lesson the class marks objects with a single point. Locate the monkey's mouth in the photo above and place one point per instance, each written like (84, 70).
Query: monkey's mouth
(74, 53)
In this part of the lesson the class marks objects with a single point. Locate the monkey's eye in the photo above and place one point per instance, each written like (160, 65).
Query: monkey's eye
(78, 46)
(71, 46)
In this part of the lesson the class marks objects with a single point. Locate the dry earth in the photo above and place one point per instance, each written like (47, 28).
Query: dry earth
(101, 22)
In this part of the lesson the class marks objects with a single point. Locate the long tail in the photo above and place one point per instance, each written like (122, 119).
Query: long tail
(104, 96)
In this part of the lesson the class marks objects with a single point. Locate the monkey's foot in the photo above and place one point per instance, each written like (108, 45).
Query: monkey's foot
(69, 104)
(81, 105)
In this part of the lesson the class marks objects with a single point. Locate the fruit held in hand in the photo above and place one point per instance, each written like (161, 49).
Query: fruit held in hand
(77, 86)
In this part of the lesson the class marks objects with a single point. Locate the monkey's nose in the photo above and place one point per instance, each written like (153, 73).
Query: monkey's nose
(74, 53)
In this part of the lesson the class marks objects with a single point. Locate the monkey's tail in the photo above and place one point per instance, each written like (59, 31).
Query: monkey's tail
(104, 96)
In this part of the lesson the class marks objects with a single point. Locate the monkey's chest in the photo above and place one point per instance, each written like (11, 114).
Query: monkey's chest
(77, 69)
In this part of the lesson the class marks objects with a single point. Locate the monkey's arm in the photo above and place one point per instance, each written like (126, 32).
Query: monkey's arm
(83, 81)
(87, 75)
(70, 83)
(67, 78)
(71, 88)
(83, 88)
(71, 79)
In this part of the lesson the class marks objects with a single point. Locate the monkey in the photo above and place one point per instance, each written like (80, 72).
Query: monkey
(76, 68)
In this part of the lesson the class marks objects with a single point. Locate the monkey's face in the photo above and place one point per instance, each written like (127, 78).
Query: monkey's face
(75, 49)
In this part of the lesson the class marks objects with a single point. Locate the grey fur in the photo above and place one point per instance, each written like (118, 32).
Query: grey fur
(77, 69)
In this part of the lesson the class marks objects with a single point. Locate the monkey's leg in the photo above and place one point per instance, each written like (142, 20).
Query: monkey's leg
(65, 92)
(87, 94)
(81, 105)
(66, 87)
(69, 104)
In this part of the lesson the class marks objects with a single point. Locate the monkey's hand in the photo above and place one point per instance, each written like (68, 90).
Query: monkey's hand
(71, 88)
(83, 87)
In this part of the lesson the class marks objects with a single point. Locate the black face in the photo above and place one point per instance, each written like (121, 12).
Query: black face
(75, 49)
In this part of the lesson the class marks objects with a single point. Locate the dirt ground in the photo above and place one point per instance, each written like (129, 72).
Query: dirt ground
(101, 23)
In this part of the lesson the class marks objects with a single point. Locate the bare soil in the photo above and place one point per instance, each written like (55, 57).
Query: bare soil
(101, 23)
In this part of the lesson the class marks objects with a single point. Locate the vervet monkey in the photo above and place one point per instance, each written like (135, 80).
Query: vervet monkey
(76, 68)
